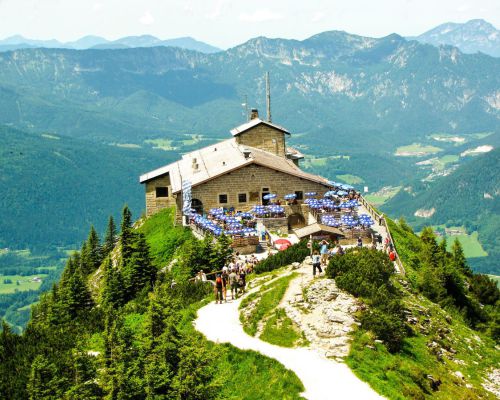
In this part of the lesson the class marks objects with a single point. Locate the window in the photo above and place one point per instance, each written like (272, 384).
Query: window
(299, 194)
(162, 191)
(222, 198)
(265, 189)
(242, 198)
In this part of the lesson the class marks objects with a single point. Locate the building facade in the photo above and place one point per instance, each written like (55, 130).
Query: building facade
(236, 173)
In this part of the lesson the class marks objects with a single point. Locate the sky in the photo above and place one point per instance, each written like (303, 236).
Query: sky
(226, 23)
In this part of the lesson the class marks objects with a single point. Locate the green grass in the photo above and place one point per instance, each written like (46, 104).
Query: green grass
(162, 144)
(25, 283)
(267, 299)
(27, 306)
(417, 149)
(251, 376)
(404, 375)
(162, 236)
(281, 330)
(350, 179)
(380, 197)
(245, 374)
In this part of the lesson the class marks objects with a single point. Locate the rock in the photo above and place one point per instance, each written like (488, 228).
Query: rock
(459, 375)
(295, 265)
(469, 386)
(434, 383)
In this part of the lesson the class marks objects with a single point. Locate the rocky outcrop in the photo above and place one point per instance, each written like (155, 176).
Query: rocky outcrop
(323, 312)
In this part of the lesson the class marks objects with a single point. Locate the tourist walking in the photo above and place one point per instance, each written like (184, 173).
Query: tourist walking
(225, 281)
(242, 280)
(324, 252)
(233, 282)
(218, 288)
(360, 241)
(316, 263)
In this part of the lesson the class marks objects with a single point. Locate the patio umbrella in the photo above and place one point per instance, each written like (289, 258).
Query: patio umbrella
(330, 193)
(282, 241)
(310, 194)
(269, 196)
(290, 196)
(284, 247)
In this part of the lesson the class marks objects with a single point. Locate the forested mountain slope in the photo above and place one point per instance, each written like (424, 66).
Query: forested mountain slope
(53, 187)
(468, 197)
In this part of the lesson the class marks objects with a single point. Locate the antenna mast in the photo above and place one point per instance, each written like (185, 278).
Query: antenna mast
(268, 98)
(246, 107)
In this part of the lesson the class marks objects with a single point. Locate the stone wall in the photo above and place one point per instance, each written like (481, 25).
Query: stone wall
(264, 137)
(251, 180)
(153, 203)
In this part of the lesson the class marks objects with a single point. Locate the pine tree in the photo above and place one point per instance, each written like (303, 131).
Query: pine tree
(113, 292)
(458, 258)
(94, 249)
(430, 251)
(44, 381)
(138, 271)
(221, 253)
(127, 235)
(110, 238)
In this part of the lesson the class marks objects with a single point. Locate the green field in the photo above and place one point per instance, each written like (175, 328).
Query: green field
(350, 179)
(384, 194)
(25, 283)
(496, 278)
(417, 150)
(470, 243)
(162, 144)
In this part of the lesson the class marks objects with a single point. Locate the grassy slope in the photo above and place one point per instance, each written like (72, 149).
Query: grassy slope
(404, 375)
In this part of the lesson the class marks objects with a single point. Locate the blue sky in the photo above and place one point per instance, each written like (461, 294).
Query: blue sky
(226, 23)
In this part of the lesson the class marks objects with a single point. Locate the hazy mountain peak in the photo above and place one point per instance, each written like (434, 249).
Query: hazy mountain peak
(476, 35)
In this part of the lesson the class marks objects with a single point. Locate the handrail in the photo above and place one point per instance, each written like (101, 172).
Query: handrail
(381, 220)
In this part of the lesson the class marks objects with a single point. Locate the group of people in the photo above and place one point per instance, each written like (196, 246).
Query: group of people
(320, 258)
(232, 278)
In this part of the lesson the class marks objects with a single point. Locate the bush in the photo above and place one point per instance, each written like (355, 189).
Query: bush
(366, 273)
(295, 253)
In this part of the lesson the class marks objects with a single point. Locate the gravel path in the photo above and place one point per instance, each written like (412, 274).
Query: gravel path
(322, 378)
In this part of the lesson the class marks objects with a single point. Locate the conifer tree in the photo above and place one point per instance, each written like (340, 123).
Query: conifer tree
(113, 292)
(138, 271)
(221, 253)
(458, 258)
(110, 238)
(127, 235)
(44, 381)
(94, 249)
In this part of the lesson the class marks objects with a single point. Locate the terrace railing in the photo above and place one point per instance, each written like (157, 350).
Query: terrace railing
(382, 222)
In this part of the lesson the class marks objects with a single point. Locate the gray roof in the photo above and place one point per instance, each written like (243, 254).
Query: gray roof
(254, 122)
(221, 158)
(315, 228)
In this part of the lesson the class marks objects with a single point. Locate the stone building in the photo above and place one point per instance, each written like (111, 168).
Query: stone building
(235, 173)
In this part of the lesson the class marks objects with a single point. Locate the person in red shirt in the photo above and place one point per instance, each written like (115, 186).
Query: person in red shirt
(392, 256)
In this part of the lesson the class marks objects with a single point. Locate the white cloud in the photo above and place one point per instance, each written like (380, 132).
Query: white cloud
(216, 11)
(260, 15)
(147, 18)
(97, 6)
(463, 8)
(318, 16)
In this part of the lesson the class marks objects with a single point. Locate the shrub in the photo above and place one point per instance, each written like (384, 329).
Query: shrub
(295, 253)
(366, 273)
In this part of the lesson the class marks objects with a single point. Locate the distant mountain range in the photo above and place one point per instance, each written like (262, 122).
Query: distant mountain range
(470, 37)
(95, 42)
(350, 102)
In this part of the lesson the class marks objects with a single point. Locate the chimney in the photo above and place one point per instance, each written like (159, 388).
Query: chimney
(195, 165)
(254, 113)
